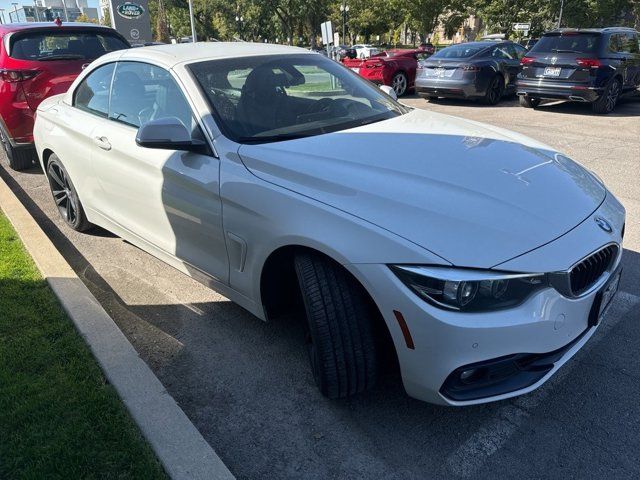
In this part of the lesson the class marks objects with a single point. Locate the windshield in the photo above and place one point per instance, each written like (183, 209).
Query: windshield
(459, 51)
(272, 98)
(43, 45)
(568, 43)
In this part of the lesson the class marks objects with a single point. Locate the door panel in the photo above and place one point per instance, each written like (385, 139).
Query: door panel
(167, 198)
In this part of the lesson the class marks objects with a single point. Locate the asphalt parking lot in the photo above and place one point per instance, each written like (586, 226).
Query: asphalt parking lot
(247, 387)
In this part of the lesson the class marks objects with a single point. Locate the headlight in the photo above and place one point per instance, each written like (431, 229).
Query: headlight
(469, 290)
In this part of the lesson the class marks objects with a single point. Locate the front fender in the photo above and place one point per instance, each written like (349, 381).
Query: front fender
(266, 217)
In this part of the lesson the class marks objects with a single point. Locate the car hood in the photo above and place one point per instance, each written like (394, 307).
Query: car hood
(474, 194)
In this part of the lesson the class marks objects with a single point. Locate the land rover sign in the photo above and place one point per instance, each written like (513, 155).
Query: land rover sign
(131, 19)
(130, 10)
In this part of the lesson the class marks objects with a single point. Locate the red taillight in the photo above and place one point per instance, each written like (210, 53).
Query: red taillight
(589, 62)
(527, 60)
(13, 76)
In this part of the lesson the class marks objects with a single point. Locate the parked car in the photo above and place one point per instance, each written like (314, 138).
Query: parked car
(428, 47)
(486, 258)
(38, 60)
(395, 68)
(494, 37)
(593, 65)
(475, 70)
(365, 51)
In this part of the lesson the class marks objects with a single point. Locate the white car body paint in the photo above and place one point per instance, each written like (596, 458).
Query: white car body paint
(421, 188)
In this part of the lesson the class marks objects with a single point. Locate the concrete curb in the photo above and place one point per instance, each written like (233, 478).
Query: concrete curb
(181, 449)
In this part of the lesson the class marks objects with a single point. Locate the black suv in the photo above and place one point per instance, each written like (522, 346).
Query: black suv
(594, 65)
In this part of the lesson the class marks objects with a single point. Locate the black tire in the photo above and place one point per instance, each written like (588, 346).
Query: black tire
(341, 341)
(400, 84)
(65, 195)
(528, 102)
(495, 90)
(19, 158)
(609, 98)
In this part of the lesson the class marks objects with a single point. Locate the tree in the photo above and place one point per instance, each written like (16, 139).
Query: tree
(106, 18)
(423, 15)
(83, 18)
(162, 27)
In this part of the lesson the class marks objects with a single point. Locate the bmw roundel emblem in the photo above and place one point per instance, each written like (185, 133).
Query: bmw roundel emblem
(603, 224)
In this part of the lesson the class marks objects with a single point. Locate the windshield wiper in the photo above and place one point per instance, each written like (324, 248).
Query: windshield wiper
(66, 56)
(273, 138)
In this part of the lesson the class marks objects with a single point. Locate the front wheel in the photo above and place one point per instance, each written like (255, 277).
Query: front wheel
(399, 83)
(340, 339)
(65, 195)
(609, 98)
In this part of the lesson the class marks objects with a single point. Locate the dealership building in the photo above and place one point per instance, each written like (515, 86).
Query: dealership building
(48, 10)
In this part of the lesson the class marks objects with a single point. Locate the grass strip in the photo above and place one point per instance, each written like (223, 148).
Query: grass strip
(59, 419)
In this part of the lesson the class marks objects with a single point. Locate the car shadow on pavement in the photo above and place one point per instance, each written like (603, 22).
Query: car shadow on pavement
(248, 388)
(628, 106)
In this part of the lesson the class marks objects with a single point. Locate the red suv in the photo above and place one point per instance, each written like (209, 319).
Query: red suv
(38, 60)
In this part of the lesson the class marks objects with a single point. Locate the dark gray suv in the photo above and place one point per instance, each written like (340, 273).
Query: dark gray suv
(581, 65)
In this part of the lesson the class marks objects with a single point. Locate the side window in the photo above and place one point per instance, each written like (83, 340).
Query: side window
(615, 43)
(630, 43)
(92, 95)
(142, 92)
(520, 51)
(500, 52)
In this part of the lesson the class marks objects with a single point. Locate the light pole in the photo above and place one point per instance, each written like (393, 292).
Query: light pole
(2, 15)
(239, 22)
(560, 16)
(35, 7)
(194, 38)
(344, 8)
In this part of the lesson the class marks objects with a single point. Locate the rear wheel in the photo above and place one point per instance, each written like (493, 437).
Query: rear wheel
(341, 344)
(528, 102)
(495, 90)
(65, 195)
(609, 98)
(399, 83)
(19, 158)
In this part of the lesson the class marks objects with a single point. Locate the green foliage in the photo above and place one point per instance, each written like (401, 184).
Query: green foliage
(83, 18)
(298, 21)
(106, 19)
(500, 15)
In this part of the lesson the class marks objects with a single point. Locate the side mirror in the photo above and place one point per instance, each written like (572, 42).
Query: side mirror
(169, 134)
(389, 91)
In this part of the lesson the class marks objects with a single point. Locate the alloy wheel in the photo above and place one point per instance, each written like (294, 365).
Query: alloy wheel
(399, 84)
(495, 90)
(63, 195)
(612, 96)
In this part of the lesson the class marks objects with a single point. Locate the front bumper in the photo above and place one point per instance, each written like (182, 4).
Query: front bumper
(558, 91)
(544, 332)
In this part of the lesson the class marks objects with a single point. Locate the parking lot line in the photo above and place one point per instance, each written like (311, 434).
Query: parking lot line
(496, 432)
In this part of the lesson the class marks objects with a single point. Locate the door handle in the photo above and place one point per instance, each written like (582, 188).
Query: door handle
(102, 142)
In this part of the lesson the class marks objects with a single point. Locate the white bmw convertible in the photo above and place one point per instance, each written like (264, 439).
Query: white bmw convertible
(291, 185)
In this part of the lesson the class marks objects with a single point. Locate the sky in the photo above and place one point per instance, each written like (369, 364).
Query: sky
(6, 4)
